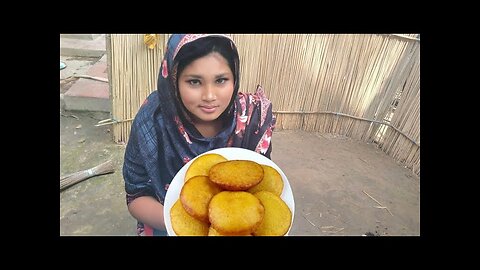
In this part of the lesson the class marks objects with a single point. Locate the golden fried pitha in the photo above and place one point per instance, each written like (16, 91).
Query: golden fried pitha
(213, 232)
(236, 175)
(202, 164)
(235, 212)
(184, 224)
(272, 181)
(277, 217)
(196, 194)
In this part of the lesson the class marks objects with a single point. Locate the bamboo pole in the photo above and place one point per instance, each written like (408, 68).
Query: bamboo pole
(405, 37)
(353, 117)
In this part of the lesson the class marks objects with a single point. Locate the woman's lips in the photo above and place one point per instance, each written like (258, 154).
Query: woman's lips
(208, 109)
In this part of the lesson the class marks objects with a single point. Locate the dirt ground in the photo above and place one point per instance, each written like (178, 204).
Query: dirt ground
(337, 182)
(95, 206)
(330, 177)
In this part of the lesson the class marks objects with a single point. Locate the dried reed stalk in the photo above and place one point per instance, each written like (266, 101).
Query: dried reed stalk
(74, 178)
(134, 70)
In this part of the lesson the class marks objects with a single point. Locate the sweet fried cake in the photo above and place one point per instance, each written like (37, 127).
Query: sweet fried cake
(236, 175)
(272, 181)
(184, 224)
(235, 212)
(277, 217)
(196, 194)
(202, 164)
(213, 232)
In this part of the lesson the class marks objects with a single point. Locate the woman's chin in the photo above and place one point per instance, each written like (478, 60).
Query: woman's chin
(208, 118)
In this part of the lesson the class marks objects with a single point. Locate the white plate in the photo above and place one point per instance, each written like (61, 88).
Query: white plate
(229, 153)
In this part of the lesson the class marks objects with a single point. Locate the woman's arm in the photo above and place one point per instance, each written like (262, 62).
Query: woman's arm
(147, 210)
(142, 202)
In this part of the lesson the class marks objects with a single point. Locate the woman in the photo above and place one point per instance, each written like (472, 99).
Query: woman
(196, 108)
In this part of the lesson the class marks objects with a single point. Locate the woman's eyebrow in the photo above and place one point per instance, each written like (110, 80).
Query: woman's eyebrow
(222, 75)
(194, 76)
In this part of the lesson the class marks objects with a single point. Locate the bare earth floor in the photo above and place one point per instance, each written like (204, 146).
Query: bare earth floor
(330, 176)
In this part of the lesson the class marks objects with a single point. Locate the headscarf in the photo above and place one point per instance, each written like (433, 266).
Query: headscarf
(163, 139)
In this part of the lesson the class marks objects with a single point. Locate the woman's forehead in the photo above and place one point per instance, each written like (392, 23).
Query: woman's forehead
(210, 65)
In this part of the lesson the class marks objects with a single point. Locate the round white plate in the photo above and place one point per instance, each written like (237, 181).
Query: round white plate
(230, 153)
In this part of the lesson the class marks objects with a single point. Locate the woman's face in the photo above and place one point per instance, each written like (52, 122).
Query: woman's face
(206, 87)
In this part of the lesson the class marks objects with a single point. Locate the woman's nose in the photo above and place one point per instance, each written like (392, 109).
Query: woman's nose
(209, 93)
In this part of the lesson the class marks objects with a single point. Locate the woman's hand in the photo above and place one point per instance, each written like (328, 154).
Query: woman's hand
(149, 211)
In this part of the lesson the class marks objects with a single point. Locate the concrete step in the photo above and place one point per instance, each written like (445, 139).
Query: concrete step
(81, 36)
(88, 94)
(81, 46)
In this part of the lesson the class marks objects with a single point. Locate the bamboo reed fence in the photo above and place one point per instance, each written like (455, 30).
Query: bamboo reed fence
(365, 86)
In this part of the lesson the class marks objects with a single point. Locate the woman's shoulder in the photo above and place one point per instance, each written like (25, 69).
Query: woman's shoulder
(146, 111)
(150, 103)
(257, 98)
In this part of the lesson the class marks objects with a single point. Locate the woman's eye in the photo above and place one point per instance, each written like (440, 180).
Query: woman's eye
(222, 80)
(194, 82)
